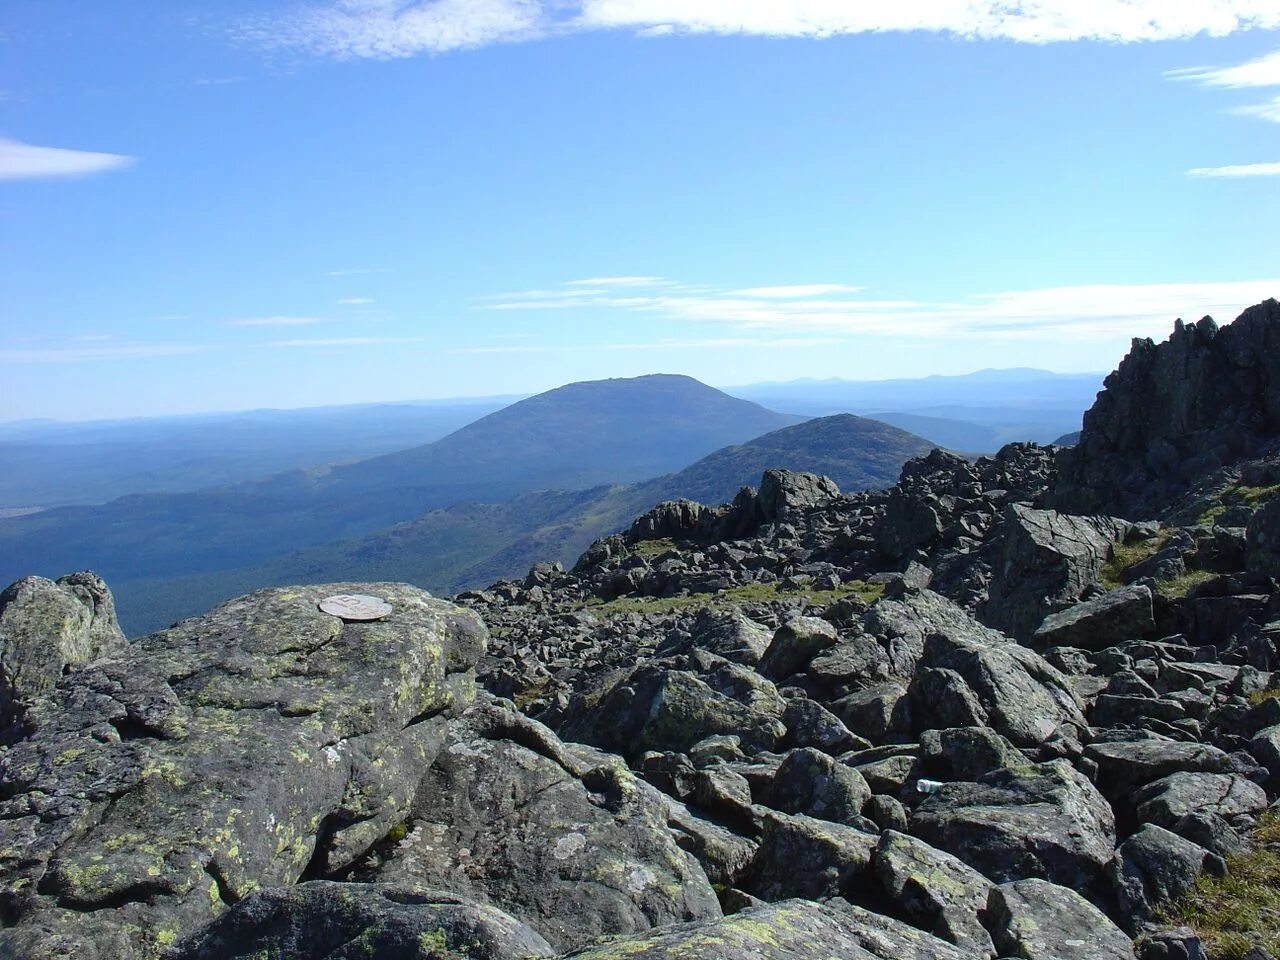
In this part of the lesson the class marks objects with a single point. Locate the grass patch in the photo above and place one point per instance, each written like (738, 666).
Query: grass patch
(1231, 914)
(1179, 587)
(653, 548)
(747, 593)
(1236, 495)
(1258, 696)
(1126, 555)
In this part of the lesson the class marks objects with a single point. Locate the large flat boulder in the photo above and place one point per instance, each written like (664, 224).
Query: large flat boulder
(1045, 821)
(1105, 621)
(230, 753)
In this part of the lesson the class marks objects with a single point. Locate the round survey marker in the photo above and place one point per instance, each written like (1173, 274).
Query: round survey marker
(355, 606)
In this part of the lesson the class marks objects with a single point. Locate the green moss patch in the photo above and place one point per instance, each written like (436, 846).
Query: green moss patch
(1126, 555)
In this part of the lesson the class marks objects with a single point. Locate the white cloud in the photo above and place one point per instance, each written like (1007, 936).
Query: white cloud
(138, 351)
(1270, 110)
(385, 29)
(22, 161)
(1084, 312)
(1261, 72)
(275, 322)
(1238, 170)
(354, 301)
(388, 29)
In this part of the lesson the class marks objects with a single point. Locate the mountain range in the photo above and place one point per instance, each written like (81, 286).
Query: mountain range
(470, 544)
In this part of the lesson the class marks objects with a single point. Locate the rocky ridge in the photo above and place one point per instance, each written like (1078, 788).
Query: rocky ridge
(949, 719)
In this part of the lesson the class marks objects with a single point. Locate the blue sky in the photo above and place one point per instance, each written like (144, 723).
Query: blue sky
(242, 204)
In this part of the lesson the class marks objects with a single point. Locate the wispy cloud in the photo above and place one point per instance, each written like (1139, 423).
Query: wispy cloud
(620, 282)
(1260, 72)
(1085, 312)
(137, 351)
(1238, 170)
(385, 29)
(275, 322)
(662, 344)
(1252, 74)
(796, 290)
(355, 301)
(344, 341)
(23, 161)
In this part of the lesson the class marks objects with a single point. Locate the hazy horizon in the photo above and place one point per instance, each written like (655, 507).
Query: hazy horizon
(463, 399)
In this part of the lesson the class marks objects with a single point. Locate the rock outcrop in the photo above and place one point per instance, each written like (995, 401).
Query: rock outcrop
(1175, 412)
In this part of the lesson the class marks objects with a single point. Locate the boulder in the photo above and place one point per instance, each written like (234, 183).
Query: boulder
(657, 708)
(1155, 866)
(48, 627)
(811, 782)
(800, 856)
(1045, 821)
(1037, 920)
(935, 890)
(795, 644)
(1046, 560)
(1226, 795)
(1125, 765)
(785, 492)
(1105, 621)
(1016, 692)
(227, 754)
(1263, 539)
(321, 920)
(731, 635)
(783, 931)
(563, 837)
(967, 753)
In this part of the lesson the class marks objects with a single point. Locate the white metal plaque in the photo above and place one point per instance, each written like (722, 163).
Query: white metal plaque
(355, 606)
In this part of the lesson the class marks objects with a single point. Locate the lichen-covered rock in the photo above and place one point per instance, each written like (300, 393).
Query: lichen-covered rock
(1226, 795)
(1037, 920)
(1016, 692)
(1045, 821)
(966, 753)
(1046, 561)
(658, 708)
(811, 782)
(1125, 765)
(800, 856)
(229, 753)
(323, 920)
(935, 890)
(796, 643)
(47, 627)
(783, 931)
(563, 837)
